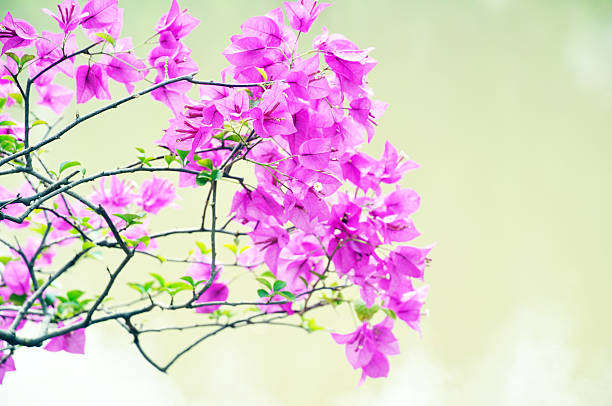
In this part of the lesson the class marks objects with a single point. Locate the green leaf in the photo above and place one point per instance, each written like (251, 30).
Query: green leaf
(145, 240)
(216, 174)
(17, 97)
(13, 57)
(67, 164)
(262, 293)
(182, 154)
(202, 247)
(159, 279)
(50, 298)
(390, 313)
(263, 73)
(319, 275)
(264, 282)
(18, 299)
(179, 286)
(304, 281)
(137, 287)
(6, 260)
(87, 245)
(25, 59)
(231, 247)
(106, 38)
(169, 159)
(141, 150)
(365, 313)
(189, 280)
(202, 178)
(233, 137)
(130, 219)
(207, 163)
(288, 295)
(39, 122)
(279, 285)
(313, 326)
(268, 274)
(74, 295)
(6, 122)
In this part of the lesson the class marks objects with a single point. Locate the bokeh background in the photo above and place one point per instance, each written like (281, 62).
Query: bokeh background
(507, 105)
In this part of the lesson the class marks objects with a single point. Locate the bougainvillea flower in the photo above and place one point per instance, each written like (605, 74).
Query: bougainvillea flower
(175, 25)
(51, 48)
(100, 14)
(15, 33)
(7, 366)
(15, 209)
(367, 348)
(68, 16)
(270, 240)
(395, 165)
(44, 258)
(72, 342)
(234, 105)
(315, 153)
(409, 309)
(54, 96)
(250, 51)
(138, 231)
(272, 116)
(263, 28)
(125, 67)
(16, 277)
(410, 261)
(119, 195)
(365, 112)
(201, 268)
(91, 81)
(155, 194)
(173, 99)
(216, 292)
(303, 13)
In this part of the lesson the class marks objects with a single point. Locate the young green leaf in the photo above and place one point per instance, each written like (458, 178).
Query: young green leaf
(189, 280)
(207, 163)
(39, 122)
(182, 154)
(130, 219)
(288, 295)
(87, 245)
(169, 159)
(67, 164)
(279, 285)
(106, 38)
(268, 274)
(365, 313)
(264, 282)
(74, 295)
(13, 57)
(25, 59)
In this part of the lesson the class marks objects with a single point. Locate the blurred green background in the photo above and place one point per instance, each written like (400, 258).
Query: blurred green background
(507, 105)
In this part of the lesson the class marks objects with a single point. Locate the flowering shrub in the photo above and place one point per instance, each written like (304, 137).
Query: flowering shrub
(319, 229)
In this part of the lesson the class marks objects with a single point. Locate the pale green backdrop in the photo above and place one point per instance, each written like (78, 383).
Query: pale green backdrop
(507, 105)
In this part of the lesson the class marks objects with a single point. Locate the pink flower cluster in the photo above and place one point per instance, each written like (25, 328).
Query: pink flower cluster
(305, 131)
(320, 204)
